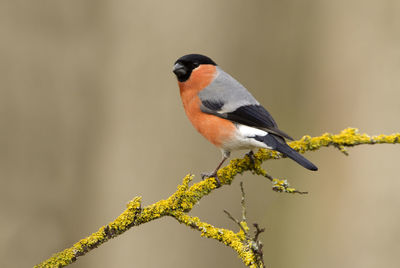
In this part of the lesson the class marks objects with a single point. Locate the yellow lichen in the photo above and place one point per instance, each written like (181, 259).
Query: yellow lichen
(183, 200)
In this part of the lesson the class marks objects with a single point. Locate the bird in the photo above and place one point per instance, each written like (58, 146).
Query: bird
(226, 113)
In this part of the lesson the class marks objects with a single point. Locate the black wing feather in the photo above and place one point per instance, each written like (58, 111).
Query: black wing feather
(249, 115)
(256, 116)
(213, 105)
(252, 115)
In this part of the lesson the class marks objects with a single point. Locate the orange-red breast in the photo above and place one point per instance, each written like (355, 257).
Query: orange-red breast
(225, 113)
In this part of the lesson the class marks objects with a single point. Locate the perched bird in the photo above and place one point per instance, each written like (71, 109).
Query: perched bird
(225, 113)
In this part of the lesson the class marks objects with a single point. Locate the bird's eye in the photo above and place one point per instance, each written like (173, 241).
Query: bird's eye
(196, 64)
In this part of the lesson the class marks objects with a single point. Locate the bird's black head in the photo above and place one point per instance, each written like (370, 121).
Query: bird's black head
(185, 65)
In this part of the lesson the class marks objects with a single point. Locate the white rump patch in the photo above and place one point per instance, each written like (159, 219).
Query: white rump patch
(244, 139)
(247, 131)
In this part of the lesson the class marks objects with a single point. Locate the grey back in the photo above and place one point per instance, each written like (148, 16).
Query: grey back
(227, 92)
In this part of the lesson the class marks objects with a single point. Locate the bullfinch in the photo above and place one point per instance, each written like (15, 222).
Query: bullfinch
(225, 113)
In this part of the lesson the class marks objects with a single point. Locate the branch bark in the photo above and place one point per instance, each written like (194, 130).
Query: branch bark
(182, 201)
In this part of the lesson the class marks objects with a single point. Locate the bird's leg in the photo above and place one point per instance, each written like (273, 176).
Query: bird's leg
(251, 156)
(225, 156)
(214, 173)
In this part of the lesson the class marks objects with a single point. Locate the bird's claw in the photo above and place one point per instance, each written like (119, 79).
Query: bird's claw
(211, 175)
(251, 156)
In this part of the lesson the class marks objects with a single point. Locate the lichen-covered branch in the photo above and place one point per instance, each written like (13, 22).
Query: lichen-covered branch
(183, 200)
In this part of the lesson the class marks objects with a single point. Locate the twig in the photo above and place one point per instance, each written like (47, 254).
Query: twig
(243, 202)
(236, 221)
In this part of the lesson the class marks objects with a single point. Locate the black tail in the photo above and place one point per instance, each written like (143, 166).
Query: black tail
(285, 149)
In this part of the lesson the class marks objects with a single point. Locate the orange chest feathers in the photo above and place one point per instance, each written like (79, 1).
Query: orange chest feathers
(217, 130)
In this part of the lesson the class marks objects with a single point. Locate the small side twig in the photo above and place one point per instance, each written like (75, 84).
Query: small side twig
(236, 221)
(258, 231)
(243, 202)
(254, 243)
(282, 185)
(342, 149)
(258, 246)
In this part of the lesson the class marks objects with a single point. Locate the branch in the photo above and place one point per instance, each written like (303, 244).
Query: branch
(183, 200)
(254, 244)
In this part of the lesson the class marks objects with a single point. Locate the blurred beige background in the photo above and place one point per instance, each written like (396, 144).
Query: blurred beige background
(90, 117)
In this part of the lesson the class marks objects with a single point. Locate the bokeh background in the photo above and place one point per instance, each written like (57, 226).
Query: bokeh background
(90, 116)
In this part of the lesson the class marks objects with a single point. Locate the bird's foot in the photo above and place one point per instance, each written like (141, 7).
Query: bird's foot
(211, 175)
(252, 157)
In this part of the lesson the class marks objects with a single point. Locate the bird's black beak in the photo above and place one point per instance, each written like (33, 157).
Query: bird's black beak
(179, 70)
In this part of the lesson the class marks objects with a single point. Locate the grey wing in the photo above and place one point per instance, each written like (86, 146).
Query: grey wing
(227, 98)
(227, 92)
